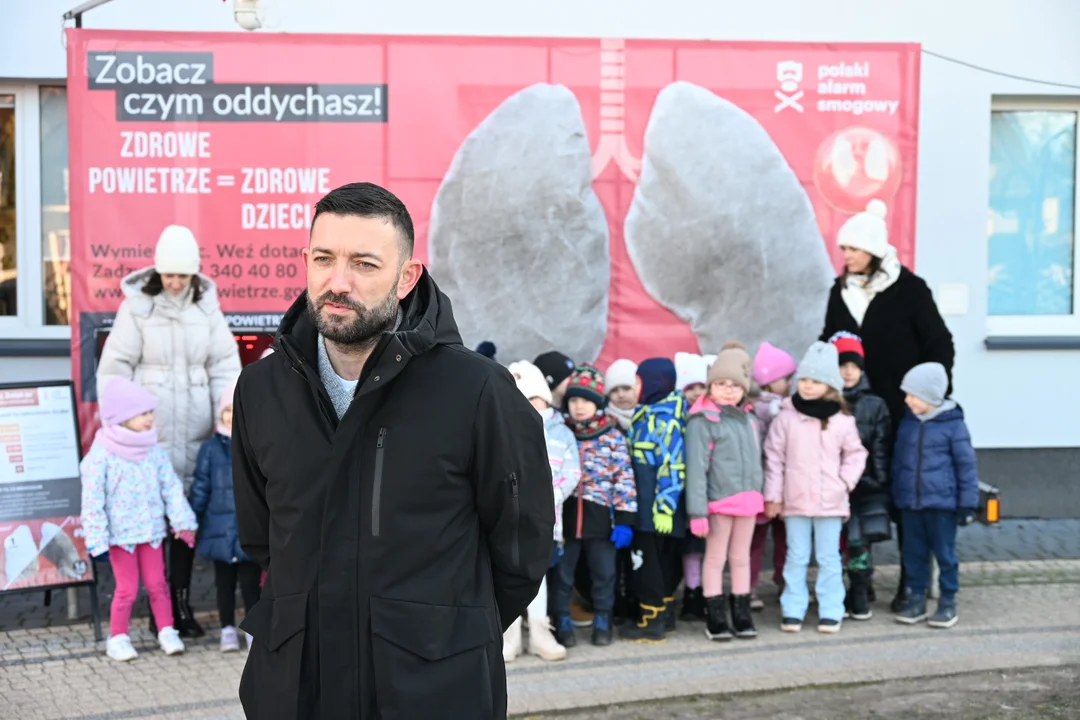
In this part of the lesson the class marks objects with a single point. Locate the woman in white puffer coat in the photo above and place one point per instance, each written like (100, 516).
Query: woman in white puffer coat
(171, 337)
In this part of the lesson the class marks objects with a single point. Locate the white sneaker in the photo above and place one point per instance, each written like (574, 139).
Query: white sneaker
(512, 642)
(118, 647)
(230, 641)
(170, 641)
(542, 643)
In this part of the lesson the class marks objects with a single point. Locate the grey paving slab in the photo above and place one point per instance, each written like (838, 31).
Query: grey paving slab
(60, 672)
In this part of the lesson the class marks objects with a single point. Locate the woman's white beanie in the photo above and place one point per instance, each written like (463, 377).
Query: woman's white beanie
(530, 381)
(177, 252)
(867, 230)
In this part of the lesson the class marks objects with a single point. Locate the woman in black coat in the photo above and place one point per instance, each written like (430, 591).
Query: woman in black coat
(890, 308)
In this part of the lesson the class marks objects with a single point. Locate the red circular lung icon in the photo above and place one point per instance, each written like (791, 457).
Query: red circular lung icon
(855, 165)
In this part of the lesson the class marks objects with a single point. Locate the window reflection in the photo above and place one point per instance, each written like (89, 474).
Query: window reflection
(55, 199)
(1032, 212)
(8, 254)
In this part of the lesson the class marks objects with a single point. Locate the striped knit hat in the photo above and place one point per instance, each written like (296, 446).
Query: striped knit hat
(587, 382)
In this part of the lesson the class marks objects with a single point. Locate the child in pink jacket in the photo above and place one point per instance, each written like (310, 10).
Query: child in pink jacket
(813, 460)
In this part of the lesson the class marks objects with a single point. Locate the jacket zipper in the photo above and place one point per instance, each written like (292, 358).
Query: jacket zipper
(515, 506)
(918, 469)
(376, 490)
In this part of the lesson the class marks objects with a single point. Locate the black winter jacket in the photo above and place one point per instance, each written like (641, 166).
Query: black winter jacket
(875, 431)
(400, 541)
(901, 329)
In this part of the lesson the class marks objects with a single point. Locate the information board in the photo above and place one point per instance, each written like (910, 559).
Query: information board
(40, 488)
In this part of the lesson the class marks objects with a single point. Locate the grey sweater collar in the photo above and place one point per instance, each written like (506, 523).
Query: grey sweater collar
(339, 396)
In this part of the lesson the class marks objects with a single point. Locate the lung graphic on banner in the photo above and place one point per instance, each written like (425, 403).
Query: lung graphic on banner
(606, 198)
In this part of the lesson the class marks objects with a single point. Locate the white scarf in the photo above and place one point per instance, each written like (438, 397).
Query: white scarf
(859, 290)
(622, 416)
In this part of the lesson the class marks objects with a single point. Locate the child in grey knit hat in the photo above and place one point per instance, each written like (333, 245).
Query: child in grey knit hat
(935, 485)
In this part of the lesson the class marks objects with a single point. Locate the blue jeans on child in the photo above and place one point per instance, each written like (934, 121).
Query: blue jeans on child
(824, 535)
(929, 532)
(600, 553)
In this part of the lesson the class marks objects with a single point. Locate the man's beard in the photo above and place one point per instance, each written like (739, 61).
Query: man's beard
(364, 330)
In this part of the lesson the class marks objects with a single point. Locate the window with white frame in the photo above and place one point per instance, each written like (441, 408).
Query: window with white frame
(35, 274)
(1032, 260)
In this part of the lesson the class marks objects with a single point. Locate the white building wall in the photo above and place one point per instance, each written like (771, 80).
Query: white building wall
(1013, 399)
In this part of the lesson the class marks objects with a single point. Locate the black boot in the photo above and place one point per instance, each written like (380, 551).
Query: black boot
(669, 615)
(716, 624)
(858, 602)
(649, 629)
(900, 600)
(693, 605)
(742, 621)
(601, 629)
(871, 596)
(184, 617)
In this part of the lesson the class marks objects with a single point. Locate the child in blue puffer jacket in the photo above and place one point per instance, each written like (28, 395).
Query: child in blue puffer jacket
(935, 485)
(212, 500)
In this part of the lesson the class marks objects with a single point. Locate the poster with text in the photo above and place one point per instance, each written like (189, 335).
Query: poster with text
(40, 490)
(603, 197)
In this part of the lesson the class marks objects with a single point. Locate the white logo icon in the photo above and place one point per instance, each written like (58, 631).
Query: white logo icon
(790, 74)
(637, 559)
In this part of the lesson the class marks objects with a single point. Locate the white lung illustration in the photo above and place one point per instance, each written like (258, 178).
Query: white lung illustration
(518, 239)
(20, 555)
(58, 549)
(720, 230)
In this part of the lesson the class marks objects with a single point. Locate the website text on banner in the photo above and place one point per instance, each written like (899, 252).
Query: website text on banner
(607, 198)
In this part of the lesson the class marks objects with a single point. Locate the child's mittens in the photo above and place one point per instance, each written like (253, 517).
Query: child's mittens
(965, 516)
(186, 536)
(699, 526)
(663, 523)
(621, 535)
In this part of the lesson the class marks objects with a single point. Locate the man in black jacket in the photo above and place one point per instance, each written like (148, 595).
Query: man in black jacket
(394, 484)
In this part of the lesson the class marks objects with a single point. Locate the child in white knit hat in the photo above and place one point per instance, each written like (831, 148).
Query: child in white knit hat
(691, 371)
(565, 476)
(624, 391)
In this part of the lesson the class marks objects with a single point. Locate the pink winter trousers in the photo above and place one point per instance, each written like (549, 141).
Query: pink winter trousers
(728, 543)
(127, 566)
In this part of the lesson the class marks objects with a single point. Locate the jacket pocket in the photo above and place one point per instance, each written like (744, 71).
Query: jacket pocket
(515, 513)
(436, 656)
(376, 486)
(272, 680)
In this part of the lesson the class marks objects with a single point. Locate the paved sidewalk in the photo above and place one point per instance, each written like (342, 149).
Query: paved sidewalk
(1010, 540)
(1018, 614)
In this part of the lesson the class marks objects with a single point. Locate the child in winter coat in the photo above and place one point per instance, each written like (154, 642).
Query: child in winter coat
(129, 487)
(935, 485)
(871, 495)
(211, 497)
(773, 370)
(656, 439)
(565, 476)
(692, 371)
(814, 459)
(724, 483)
(599, 518)
(623, 390)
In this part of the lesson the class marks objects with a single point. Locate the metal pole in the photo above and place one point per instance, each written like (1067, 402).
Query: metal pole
(72, 604)
(76, 12)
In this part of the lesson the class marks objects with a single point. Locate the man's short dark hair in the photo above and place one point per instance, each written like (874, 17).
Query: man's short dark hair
(368, 200)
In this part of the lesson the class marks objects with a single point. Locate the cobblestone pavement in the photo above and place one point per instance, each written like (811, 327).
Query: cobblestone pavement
(1017, 614)
(1010, 540)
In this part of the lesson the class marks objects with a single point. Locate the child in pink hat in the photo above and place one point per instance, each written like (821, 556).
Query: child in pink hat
(773, 371)
(129, 488)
